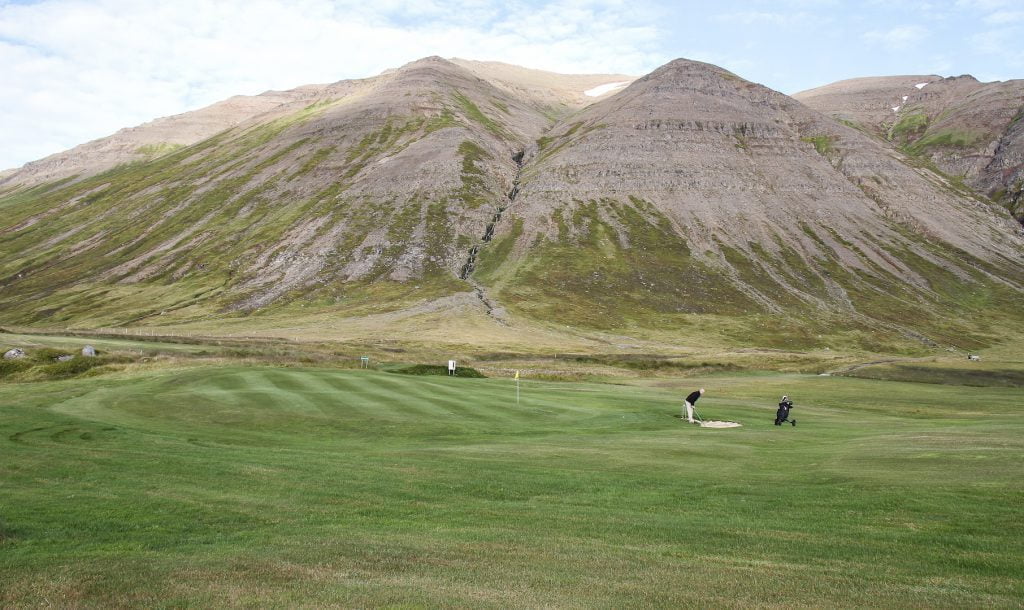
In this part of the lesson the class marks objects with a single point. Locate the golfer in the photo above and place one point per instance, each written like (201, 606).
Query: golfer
(690, 401)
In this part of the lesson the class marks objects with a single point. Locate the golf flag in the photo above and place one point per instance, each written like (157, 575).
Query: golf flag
(517, 374)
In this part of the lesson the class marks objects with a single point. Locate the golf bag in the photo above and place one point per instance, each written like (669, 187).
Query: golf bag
(782, 415)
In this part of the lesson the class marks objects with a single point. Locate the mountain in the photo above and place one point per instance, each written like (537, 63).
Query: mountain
(552, 94)
(870, 103)
(459, 201)
(383, 180)
(164, 135)
(694, 190)
(971, 131)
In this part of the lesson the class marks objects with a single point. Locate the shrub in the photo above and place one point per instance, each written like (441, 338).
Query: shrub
(78, 366)
(822, 144)
(47, 355)
(10, 367)
(437, 369)
(71, 368)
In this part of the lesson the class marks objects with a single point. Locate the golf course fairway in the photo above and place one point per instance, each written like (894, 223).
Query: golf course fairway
(212, 486)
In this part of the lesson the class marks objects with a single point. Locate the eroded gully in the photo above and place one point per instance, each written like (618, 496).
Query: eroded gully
(466, 272)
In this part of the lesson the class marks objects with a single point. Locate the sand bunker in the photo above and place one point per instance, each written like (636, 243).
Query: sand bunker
(720, 424)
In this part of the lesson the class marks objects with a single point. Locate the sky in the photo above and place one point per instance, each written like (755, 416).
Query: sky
(76, 70)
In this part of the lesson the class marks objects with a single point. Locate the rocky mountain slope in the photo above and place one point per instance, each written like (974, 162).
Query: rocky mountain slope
(695, 191)
(164, 135)
(552, 94)
(971, 131)
(690, 201)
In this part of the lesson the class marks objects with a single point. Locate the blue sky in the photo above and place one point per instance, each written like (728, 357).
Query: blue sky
(795, 45)
(75, 70)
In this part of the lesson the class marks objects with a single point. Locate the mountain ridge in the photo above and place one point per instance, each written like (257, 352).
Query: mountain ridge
(690, 194)
(969, 130)
(557, 93)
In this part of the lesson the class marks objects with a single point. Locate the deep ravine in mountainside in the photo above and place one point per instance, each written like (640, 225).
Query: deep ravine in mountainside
(467, 269)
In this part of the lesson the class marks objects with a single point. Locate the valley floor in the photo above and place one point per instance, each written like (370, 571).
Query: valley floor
(225, 484)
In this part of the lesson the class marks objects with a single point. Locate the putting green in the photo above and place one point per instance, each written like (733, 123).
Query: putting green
(286, 486)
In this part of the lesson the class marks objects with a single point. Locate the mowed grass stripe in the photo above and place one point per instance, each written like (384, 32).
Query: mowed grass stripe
(292, 390)
(378, 395)
(456, 400)
(373, 395)
(486, 401)
(468, 401)
(320, 392)
(587, 496)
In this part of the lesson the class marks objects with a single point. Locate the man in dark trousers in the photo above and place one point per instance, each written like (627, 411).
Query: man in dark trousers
(782, 415)
(689, 402)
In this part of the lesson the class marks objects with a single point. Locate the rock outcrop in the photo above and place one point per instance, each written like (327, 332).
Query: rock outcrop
(969, 130)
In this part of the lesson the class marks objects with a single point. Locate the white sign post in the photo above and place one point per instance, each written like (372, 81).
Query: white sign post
(451, 367)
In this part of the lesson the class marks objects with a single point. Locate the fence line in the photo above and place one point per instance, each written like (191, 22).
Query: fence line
(141, 332)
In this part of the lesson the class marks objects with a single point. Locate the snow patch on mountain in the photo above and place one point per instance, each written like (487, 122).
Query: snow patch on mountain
(602, 89)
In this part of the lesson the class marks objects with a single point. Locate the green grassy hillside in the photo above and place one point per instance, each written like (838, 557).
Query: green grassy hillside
(330, 206)
(267, 486)
(621, 266)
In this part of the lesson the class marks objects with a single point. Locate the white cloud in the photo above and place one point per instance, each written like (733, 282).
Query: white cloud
(898, 38)
(985, 5)
(1002, 43)
(803, 4)
(937, 64)
(784, 18)
(1004, 17)
(74, 70)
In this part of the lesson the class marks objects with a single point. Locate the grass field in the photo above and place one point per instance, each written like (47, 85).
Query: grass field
(231, 485)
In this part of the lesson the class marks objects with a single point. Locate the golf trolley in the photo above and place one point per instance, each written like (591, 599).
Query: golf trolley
(782, 415)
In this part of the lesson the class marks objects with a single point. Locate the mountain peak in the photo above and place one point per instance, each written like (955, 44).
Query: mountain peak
(688, 68)
(428, 71)
(432, 62)
(430, 59)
